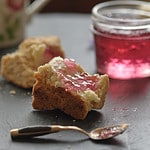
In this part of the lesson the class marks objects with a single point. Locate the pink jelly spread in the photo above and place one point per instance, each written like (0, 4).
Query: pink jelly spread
(110, 132)
(51, 52)
(74, 79)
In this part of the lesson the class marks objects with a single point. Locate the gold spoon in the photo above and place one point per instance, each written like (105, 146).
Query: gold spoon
(96, 134)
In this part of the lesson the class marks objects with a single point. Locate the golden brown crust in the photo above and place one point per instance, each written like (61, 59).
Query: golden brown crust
(32, 43)
(19, 66)
(49, 98)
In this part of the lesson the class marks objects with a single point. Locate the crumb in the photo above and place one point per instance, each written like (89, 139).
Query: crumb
(74, 120)
(68, 146)
(28, 93)
(60, 135)
(12, 92)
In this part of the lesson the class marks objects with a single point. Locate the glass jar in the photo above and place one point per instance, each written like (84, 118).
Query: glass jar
(121, 32)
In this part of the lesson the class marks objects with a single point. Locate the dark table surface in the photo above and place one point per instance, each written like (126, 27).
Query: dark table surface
(126, 102)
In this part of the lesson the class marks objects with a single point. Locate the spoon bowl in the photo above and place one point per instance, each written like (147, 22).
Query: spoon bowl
(108, 132)
(96, 134)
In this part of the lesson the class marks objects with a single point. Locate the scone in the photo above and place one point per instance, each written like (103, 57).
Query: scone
(19, 66)
(63, 84)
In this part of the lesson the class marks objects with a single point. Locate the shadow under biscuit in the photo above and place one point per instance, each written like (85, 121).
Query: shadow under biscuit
(93, 119)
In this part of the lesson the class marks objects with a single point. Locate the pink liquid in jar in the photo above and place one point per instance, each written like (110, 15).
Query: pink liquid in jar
(122, 41)
(123, 57)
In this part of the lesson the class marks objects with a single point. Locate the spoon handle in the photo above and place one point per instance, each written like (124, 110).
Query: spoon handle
(32, 131)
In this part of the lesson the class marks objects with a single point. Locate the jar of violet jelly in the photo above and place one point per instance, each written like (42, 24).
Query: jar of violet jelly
(121, 32)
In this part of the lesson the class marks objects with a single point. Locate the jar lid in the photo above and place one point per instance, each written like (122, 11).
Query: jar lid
(122, 15)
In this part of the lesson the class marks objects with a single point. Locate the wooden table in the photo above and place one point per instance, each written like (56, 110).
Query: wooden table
(126, 102)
